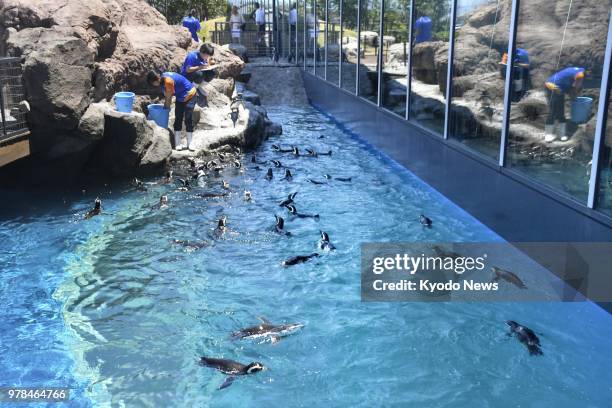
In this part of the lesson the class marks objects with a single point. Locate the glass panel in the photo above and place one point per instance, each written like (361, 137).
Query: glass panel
(552, 122)
(395, 53)
(370, 26)
(299, 55)
(333, 40)
(311, 44)
(430, 33)
(320, 38)
(349, 44)
(479, 73)
(604, 201)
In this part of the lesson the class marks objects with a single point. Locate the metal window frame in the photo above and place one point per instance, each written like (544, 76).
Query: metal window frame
(358, 47)
(379, 56)
(340, 62)
(505, 129)
(602, 117)
(325, 41)
(409, 61)
(449, 70)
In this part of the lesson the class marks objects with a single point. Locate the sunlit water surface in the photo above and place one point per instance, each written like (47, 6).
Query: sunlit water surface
(113, 309)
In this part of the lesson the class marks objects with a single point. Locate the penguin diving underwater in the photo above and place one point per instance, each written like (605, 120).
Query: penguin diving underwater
(508, 276)
(279, 228)
(294, 211)
(288, 201)
(324, 243)
(299, 259)
(97, 210)
(231, 368)
(267, 330)
(526, 336)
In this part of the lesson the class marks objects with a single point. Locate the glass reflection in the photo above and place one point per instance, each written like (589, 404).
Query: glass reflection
(311, 36)
(349, 44)
(395, 49)
(552, 122)
(479, 73)
(604, 201)
(333, 40)
(429, 63)
(368, 33)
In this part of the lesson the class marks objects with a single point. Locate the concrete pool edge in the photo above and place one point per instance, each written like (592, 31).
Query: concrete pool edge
(514, 210)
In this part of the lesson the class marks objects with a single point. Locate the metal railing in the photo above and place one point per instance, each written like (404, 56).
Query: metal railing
(13, 107)
(258, 43)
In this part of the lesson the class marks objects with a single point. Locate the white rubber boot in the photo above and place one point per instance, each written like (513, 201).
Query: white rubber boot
(177, 140)
(563, 132)
(549, 133)
(189, 137)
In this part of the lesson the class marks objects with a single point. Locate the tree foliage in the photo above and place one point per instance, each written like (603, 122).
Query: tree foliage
(175, 10)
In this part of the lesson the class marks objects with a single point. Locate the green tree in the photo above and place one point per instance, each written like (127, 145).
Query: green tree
(175, 10)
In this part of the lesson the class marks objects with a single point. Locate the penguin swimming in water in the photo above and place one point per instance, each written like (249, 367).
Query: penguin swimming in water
(315, 182)
(247, 195)
(277, 148)
(225, 185)
(299, 259)
(267, 330)
(221, 228)
(232, 368)
(288, 175)
(97, 210)
(185, 185)
(254, 160)
(191, 245)
(344, 179)
(311, 153)
(294, 211)
(288, 201)
(140, 185)
(212, 195)
(269, 174)
(426, 221)
(277, 163)
(167, 178)
(526, 336)
(163, 203)
(508, 277)
(295, 151)
(324, 243)
(279, 228)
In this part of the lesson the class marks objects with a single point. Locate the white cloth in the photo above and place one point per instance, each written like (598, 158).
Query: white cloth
(293, 16)
(260, 16)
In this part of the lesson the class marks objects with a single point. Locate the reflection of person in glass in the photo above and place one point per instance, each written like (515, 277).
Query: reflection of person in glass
(293, 18)
(521, 80)
(423, 30)
(236, 24)
(567, 81)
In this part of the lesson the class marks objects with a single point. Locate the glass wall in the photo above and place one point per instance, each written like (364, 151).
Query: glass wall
(395, 47)
(604, 200)
(552, 119)
(430, 33)
(479, 73)
(311, 36)
(368, 67)
(333, 41)
(321, 40)
(349, 44)
(299, 57)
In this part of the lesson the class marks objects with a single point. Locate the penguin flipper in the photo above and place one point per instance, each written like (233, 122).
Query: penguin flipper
(228, 381)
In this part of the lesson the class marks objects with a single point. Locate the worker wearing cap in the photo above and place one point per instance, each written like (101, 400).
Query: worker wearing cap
(567, 81)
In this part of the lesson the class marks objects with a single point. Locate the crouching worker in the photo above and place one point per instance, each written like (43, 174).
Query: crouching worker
(196, 67)
(567, 81)
(173, 84)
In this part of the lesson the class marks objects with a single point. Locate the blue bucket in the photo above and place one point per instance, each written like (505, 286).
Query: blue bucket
(124, 101)
(159, 114)
(581, 109)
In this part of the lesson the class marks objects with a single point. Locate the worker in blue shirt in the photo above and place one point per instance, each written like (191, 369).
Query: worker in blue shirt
(423, 29)
(521, 78)
(196, 67)
(193, 25)
(567, 81)
(176, 85)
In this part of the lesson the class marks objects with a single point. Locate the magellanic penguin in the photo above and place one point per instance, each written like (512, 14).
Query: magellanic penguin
(267, 330)
(97, 210)
(324, 243)
(526, 336)
(231, 367)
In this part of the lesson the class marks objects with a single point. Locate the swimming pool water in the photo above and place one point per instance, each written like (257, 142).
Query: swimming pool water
(113, 309)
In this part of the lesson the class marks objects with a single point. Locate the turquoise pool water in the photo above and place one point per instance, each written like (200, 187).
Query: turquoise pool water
(113, 309)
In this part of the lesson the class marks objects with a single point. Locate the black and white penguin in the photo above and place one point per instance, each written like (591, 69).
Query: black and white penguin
(269, 174)
(526, 336)
(139, 185)
(299, 259)
(311, 153)
(324, 243)
(279, 228)
(185, 185)
(167, 178)
(163, 203)
(293, 211)
(426, 221)
(315, 182)
(267, 330)
(288, 175)
(295, 151)
(97, 210)
(344, 179)
(288, 201)
(231, 367)
(247, 195)
(277, 163)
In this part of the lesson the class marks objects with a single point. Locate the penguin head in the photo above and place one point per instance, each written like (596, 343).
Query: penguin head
(295, 151)
(292, 196)
(292, 208)
(97, 203)
(163, 199)
(275, 147)
(221, 223)
(237, 164)
(254, 367)
(513, 325)
(324, 236)
(225, 184)
(328, 176)
(247, 195)
(169, 174)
